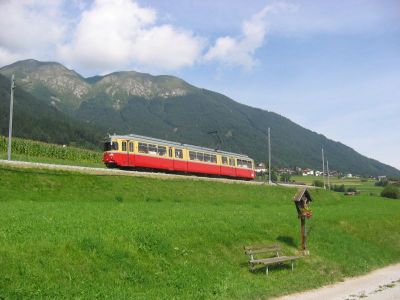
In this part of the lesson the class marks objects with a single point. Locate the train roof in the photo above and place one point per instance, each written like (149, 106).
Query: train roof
(168, 143)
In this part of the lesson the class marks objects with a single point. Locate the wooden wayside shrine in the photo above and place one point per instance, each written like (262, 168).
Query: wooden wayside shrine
(302, 200)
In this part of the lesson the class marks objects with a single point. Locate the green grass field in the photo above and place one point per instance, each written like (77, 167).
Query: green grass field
(365, 187)
(69, 235)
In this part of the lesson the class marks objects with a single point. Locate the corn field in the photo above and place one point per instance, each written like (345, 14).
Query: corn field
(40, 149)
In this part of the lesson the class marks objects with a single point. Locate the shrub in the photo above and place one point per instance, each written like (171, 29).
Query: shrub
(381, 183)
(318, 183)
(351, 190)
(391, 191)
(339, 188)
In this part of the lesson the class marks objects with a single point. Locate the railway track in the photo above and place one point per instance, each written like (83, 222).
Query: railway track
(115, 172)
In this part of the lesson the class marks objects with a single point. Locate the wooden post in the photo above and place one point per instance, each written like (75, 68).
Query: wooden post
(303, 234)
(301, 200)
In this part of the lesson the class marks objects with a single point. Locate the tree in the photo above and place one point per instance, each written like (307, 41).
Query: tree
(274, 177)
(391, 191)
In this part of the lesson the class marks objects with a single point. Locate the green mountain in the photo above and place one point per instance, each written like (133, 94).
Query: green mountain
(170, 108)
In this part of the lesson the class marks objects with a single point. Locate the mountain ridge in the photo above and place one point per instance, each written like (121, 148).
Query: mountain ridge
(168, 107)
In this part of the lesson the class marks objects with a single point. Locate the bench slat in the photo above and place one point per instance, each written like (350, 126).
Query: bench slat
(249, 250)
(273, 260)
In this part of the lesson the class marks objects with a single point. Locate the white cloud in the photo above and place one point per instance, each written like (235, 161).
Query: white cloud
(112, 34)
(106, 35)
(239, 51)
(29, 28)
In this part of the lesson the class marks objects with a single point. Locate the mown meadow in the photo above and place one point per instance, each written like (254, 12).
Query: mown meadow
(70, 235)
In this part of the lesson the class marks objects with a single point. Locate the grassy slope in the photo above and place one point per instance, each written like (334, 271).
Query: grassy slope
(74, 235)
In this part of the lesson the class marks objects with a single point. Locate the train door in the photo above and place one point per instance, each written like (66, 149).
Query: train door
(131, 155)
(125, 154)
(180, 164)
(170, 158)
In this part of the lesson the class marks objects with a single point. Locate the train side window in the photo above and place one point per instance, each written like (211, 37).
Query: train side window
(131, 147)
(143, 148)
(224, 160)
(250, 164)
(240, 163)
(152, 149)
(179, 154)
(207, 157)
(170, 152)
(162, 151)
(114, 146)
(123, 146)
(231, 162)
(192, 155)
(199, 156)
(214, 159)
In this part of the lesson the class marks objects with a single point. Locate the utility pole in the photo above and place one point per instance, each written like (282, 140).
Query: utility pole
(11, 116)
(323, 166)
(269, 156)
(327, 171)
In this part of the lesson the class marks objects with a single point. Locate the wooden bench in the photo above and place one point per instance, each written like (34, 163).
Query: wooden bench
(267, 255)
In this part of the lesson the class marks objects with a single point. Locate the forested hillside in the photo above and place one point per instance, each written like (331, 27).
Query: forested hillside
(34, 119)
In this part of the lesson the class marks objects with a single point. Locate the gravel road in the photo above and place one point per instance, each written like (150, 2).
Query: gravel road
(382, 284)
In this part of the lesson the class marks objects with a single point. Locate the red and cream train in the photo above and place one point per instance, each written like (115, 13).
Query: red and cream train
(135, 151)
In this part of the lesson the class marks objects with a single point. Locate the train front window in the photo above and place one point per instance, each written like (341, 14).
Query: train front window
(110, 146)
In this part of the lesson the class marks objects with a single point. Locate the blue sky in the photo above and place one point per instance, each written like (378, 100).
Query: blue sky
(330, 66)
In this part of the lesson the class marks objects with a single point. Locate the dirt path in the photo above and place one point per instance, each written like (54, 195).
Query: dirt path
(382, 284)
